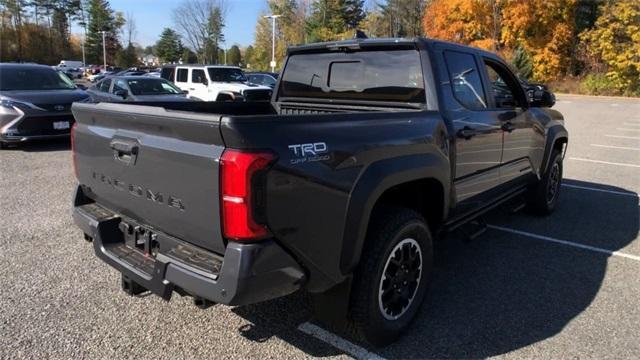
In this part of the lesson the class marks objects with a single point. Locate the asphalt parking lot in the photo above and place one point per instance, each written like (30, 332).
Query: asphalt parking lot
(566, 286)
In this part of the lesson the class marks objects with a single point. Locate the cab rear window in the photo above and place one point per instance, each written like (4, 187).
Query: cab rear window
(380, 75)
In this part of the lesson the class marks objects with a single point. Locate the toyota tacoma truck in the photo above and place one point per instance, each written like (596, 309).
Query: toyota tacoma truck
(367, 154)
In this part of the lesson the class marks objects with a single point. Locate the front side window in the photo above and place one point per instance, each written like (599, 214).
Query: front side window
(33, 78)
(465, 80)
(504, 94)
(119, 85)
(198, 76)
(374, 75)
(183, 75)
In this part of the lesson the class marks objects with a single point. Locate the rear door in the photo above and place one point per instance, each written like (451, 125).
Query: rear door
(156, 167)
(478, 132)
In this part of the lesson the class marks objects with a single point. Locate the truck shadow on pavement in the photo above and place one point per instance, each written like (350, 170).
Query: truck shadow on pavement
(500, 292)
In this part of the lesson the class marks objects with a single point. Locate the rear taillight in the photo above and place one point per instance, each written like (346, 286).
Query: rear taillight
(73, 149)
(239, 171)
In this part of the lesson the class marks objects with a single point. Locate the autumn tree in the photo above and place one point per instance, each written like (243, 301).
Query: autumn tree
(464, 21)
(290, 30)
(615, 40)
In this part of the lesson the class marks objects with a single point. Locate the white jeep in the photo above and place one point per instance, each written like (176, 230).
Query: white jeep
(214, 83)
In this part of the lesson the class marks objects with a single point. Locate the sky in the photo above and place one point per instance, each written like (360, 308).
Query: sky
(152, 16)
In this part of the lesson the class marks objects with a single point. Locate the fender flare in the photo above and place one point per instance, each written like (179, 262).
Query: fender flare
(376, 179)
(554, 134)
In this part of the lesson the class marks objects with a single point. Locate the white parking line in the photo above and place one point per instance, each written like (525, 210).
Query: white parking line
(601, 190)
(624, 137)
(631, 124)
(604, 162)
(627, 129)
(336, 341)
(564, 242)
(616, 147)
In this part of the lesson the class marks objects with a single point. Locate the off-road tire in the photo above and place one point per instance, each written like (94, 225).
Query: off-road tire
(542, 197)
(389, 228)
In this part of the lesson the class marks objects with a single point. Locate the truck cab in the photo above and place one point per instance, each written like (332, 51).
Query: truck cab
(215, 83)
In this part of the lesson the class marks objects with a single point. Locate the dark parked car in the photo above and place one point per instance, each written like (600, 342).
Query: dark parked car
(135, 89)
(369, 152)
(263, 78)
(35, 103)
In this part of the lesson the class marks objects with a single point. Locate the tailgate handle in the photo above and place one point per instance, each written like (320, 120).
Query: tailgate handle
(124, 151)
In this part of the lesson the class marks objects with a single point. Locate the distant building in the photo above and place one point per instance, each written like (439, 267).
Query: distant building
(150, 60)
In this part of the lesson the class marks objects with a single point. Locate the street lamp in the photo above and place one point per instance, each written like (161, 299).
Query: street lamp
(273, 18)
(104, 50)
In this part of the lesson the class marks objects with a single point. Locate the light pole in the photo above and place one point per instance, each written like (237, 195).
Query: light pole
(273, 40)
(104, 50)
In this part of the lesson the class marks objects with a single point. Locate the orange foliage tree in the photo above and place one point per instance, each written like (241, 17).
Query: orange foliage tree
(545, 29)
(463, 21)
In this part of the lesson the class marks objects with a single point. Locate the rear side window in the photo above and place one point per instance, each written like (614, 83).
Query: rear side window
(104, 85)
(465, 80)
(198, 76)
(167, 73)
(379, 75)
(183, 75)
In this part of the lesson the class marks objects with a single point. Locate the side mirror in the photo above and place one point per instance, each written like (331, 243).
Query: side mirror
(81, 87)
(122, 93)
(205, 82)
(542, 98)
(186, 92)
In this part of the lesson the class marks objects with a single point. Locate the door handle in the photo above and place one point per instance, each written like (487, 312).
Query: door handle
(466, 133)
(192, 88)
(124, 151)
(508, 127)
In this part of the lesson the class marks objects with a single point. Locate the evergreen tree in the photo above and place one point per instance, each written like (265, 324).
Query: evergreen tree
(127, 58)
(169, 47)
(102, 18)
(233, 56)
(248, 57)
(522, 61)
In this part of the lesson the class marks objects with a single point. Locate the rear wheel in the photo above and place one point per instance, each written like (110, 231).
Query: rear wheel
(542, 197)
(391, 280)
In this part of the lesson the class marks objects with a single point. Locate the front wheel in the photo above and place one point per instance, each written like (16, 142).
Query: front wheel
(542, 197)
(391, 280)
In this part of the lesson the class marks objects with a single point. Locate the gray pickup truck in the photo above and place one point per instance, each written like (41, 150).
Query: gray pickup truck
(368, 152)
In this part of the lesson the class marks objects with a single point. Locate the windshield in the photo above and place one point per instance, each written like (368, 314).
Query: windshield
(226, 75)
(33, 78)
(147, 86)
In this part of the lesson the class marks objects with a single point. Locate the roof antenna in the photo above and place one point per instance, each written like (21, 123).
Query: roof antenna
(360, 35)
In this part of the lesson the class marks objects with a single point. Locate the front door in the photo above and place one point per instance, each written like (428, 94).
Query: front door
(478, 133)
(198, 87)
(509, 105)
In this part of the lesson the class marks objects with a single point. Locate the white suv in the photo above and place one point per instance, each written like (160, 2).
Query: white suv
(214, 82)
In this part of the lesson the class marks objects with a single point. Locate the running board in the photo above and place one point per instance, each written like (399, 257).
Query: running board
(473, 215)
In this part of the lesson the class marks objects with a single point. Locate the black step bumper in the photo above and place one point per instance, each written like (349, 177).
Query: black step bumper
(247, 274)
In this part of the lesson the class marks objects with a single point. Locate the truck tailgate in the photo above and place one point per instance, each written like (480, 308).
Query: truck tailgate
(157, 167)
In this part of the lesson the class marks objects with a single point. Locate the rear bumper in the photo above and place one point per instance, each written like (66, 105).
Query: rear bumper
(248, 273)
(20, 138)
